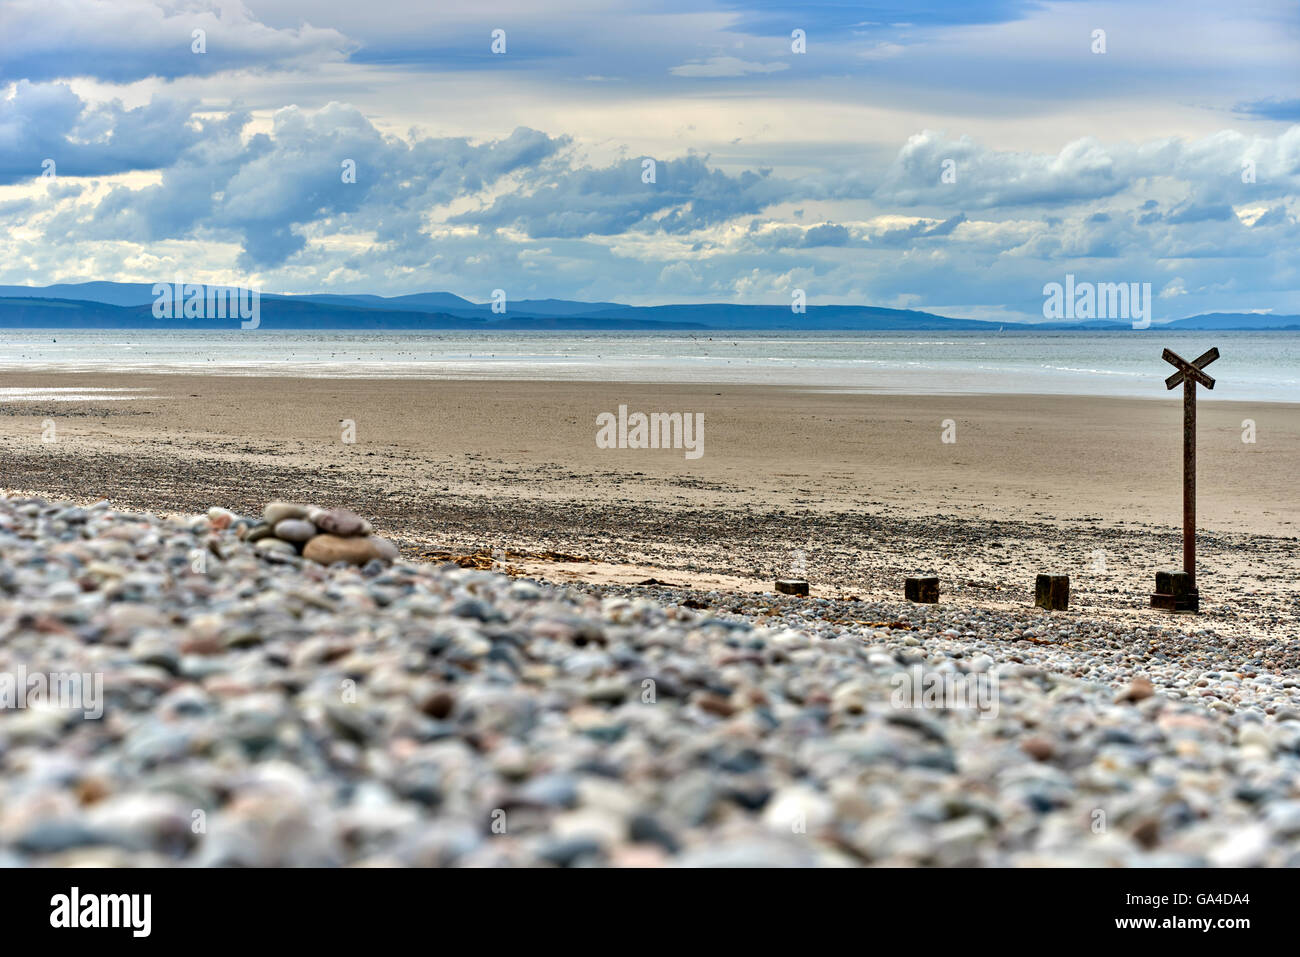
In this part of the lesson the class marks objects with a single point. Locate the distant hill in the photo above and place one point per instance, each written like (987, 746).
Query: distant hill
(443, 302)
(285, 313)
(1236, 320)
(119, 305)
(112, 293)
(110, 305)
(726, 316)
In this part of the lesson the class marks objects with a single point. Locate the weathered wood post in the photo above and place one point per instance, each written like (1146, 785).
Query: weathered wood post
(1052, 592)
(922, 589)
(1173, 592)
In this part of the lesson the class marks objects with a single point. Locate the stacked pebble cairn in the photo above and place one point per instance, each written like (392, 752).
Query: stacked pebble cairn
(324, 535)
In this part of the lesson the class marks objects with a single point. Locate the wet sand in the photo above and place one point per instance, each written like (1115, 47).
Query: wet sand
(863, 485)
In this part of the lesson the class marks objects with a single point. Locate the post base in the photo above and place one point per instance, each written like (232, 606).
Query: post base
(923, 589)
(1052, 592)
(1174, 592)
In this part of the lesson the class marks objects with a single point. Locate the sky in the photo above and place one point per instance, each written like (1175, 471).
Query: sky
(947, 156)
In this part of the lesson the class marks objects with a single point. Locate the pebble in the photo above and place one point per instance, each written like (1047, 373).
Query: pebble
(1138, 690)
(340, 521)
(274, 545)
(1040, 749)
(317, 714)
(294, 529)
(276, 512)
(328, 549)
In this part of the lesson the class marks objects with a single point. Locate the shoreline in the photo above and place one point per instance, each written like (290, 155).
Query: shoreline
(385, 374)
(863, 486)
(1055, 456)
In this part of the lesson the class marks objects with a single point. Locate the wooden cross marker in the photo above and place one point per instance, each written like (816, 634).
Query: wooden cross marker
(1188, 375)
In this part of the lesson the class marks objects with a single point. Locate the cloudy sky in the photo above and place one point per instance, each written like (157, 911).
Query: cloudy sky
(945, 155)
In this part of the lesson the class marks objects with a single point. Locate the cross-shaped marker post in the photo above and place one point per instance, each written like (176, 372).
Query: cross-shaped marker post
(1183, 595)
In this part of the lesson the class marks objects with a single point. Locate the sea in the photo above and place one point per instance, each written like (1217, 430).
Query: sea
(1254, 366)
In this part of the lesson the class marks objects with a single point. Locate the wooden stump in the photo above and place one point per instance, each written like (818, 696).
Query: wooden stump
(922, 589)
(791, 586)
(1175, 592)
(1052, 592)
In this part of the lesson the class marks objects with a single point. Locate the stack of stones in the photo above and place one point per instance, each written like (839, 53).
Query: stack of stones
(319, 534)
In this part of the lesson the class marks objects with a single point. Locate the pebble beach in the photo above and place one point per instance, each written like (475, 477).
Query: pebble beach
(261, 708)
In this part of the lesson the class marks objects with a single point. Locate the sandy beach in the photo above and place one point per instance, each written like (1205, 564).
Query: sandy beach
(1049, 457)
(863, 485)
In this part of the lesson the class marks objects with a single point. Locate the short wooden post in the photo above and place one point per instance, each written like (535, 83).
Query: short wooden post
(1052, 592)
(1176, 591)
(924, 590)
(792, 586)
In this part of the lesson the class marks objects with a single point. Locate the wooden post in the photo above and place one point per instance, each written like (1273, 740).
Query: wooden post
(1189, 478)
(1173, 592)
(1188, 375)
(924, 589)
(1052, 592)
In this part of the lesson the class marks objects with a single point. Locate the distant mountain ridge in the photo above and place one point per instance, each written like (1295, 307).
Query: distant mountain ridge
(1236, 320)
(279, 313)
(110, 305)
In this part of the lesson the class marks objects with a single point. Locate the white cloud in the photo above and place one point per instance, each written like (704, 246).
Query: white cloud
(882, 51)
(1116, 166)
(726, 66)
(126, 40)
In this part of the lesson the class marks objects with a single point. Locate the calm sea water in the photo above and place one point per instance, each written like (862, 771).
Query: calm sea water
(1254, 365)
